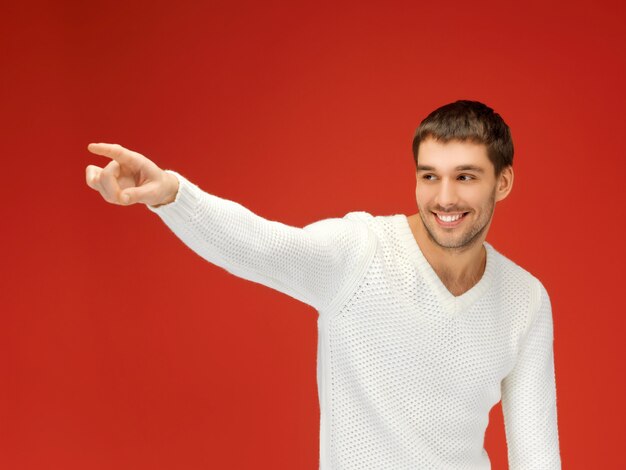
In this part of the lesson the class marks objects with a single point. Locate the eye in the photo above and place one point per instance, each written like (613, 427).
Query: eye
(468, 177)
(426, 177)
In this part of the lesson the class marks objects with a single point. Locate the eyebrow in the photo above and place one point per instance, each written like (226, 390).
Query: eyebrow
(458, 168)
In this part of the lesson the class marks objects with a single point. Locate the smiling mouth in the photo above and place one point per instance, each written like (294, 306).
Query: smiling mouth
(450, 220)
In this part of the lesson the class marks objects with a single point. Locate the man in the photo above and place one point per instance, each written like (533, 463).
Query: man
(423, 326)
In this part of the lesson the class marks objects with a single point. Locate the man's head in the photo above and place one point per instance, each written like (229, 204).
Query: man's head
(468, 121)
(464, 155)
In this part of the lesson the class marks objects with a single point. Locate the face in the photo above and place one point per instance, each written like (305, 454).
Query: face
(456, 192)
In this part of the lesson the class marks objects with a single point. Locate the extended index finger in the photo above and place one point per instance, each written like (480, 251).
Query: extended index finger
(115, 151)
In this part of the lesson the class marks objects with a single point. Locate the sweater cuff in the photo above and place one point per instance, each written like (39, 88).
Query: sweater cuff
(183, 207)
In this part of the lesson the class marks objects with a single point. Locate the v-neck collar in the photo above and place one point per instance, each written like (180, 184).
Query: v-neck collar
(453, 305)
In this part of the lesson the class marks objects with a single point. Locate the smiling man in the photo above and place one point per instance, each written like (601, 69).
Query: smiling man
(423, 325)
(457, 189)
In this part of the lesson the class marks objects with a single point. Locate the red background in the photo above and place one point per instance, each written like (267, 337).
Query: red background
(122, 349)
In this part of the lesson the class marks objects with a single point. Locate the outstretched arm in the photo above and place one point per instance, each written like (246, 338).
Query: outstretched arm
(313, 264)
(529, 397)
(310, 264)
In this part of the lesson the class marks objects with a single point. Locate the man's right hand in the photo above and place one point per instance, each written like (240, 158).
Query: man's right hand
(130, 178)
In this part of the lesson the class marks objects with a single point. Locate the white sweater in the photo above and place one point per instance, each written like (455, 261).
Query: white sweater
(406, 372)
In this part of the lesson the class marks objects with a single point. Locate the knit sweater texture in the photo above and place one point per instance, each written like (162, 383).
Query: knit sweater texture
(407, 373)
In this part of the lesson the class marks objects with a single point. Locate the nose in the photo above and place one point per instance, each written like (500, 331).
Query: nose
(447, 196)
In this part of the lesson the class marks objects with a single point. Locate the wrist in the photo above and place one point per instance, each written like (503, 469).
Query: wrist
(172, 184)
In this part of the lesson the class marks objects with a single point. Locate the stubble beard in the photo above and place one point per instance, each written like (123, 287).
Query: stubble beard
(468, 238)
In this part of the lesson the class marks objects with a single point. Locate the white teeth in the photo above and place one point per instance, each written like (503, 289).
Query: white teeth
(449, 218)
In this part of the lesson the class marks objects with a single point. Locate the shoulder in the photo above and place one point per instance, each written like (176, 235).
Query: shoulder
(518, 285)
(371, 230)
(379, 224)
(351, 221)
(512, 273)
(353, 230)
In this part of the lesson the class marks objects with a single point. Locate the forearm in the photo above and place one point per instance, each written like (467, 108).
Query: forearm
(309, 264)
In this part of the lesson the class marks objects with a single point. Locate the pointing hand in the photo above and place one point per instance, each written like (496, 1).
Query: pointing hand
(130, 177)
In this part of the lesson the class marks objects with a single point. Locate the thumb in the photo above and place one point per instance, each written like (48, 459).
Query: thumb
(144, 194)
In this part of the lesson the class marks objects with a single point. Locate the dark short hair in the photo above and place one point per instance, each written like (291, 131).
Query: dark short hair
(472, 121)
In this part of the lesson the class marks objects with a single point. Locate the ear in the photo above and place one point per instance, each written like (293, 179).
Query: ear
(504, 183)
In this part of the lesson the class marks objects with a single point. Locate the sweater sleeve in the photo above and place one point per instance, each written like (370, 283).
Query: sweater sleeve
(529, 397)
(311, 264)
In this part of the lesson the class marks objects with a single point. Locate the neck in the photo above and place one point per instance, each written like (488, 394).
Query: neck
(459, 268)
